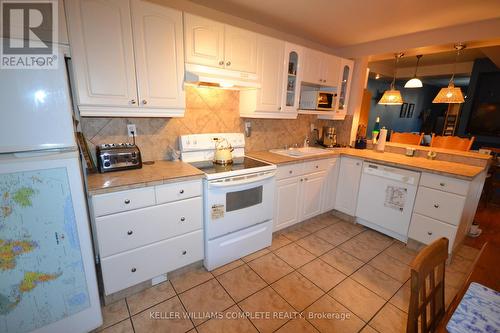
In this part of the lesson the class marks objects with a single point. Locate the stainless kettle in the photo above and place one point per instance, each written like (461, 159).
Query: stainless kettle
(223, 152)
(329, 136)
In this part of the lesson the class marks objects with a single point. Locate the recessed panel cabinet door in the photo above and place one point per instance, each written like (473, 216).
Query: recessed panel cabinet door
(331, 69)
(159, 55)
(286, 208)
(270, 58)
(348, 185)
(312, 190)
(240, 49)
(102, 52)
(204, 41)
(312, 69)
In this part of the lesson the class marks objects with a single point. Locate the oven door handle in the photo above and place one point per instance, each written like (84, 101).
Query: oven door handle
(247, 180)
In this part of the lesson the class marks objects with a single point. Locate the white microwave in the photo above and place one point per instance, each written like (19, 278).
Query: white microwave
(317, 100)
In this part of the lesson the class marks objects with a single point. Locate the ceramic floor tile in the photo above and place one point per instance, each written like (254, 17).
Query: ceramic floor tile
(402, 298)
(279, 241)
(321, 274)
(391, 267)
(400, 252)
(255, 255)
(297, 326)
(298, 291)
(241, 282)
(369, 329)
(223, 269)
(348, 228)
(390, 320)
(315, 244)
(296, 232)
(342, 261)
(378, 239)
(232, 321)
(266, 310)
(360, 300)
(454, 278)
(328, 315)
(270, 267)
(294, 255)
(377, 281)
(361, 249)
(149, 297)
(461, 264)
(190, 279)
(332, 235)
(114, 312)
(121, 327)
(167, 316)
(207, 297)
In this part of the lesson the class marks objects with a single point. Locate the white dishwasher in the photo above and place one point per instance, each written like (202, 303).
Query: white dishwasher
(385, 199)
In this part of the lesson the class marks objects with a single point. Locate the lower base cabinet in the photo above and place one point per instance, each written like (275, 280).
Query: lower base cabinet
(348, 185)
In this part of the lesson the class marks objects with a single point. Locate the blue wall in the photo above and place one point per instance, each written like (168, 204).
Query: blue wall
(389, 115)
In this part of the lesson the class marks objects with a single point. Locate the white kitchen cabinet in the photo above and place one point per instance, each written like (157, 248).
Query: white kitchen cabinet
(321, 68)
(344, 85)
(311, 196)
(102, 52)
(348, 185)
(214, 44)
(270, 58)
(204, 41)
(287, 202)
(330, 188)
(331, 66)
(127, 58)
(292, 73)
(159, 55)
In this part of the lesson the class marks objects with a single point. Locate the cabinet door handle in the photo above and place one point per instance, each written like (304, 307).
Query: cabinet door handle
(436, 205)
(183, 219)
(133, 270)
(144, 102)
(429, 233)
(184, 252)
(221, 62)
(301, 179)
(357, 163)
(132, 101)
(228, 63)
(279, 108)
(442, 184)
(130, 232)
(317, 166)
(181, 191)
(290, 172)
(127, 201)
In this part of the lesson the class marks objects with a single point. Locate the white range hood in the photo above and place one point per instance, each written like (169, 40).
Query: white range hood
(223, 78)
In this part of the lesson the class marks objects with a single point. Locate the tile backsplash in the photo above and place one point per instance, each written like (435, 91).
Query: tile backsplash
(208, 110)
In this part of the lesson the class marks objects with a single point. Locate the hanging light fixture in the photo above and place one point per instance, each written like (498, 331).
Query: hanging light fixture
(392, 96)
(451, 94)
(415, 82)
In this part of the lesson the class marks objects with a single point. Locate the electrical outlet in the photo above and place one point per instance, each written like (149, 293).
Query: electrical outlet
(131, 129)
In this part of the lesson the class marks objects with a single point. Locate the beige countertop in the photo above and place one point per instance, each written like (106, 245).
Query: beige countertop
(158, 173)
(457, 170)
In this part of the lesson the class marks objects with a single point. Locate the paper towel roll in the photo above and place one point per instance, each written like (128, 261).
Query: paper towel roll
(380, 146)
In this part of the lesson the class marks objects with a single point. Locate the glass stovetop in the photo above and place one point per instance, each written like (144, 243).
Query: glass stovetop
(239, 163)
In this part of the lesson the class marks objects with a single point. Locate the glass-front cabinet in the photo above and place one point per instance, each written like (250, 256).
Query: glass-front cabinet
(292, 75)
(344, 85)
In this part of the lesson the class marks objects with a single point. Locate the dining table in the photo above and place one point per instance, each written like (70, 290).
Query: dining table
(485, 271)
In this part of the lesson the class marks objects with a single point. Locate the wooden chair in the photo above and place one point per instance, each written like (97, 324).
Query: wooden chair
(427, 288)
(452, 142)
(406, 138)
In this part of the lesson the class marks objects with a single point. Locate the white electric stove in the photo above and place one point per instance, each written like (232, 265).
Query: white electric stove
(238, 198)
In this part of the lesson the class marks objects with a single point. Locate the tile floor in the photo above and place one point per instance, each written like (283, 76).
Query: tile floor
(342, 277)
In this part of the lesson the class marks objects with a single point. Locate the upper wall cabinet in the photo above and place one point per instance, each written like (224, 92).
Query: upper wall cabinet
(344, 87)
(270, 57)
(123, 73)
(320, 68)
(215, 44)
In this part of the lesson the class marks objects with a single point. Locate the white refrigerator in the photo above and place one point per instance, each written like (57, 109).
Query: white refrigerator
(47, 273)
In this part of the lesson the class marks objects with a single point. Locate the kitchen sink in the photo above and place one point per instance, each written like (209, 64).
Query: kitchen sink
(299, 152)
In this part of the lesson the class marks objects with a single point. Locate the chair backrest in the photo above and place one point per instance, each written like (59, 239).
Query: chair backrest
(406, 138)
(452, 142)
(427, 287)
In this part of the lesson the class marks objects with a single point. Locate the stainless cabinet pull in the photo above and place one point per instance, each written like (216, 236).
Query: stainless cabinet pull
(301, 179)
(429, 233)
(183, 219)
(184, 252)
(181, 191)
(317, 166)
(133, 270)
(127, 201)
(290, 172)
(442, 184)
(130, 232)
(436, 205)
(144, 102)
(228, 63)
(221, 62)
(132, 101)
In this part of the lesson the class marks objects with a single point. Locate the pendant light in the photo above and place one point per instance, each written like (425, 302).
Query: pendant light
(415, 82)
(451, 94)
(392, 96)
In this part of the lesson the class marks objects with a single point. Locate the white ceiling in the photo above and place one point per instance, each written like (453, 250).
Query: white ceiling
(341, 23)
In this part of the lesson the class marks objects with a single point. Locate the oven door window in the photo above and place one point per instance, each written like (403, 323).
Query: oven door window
(243, 199)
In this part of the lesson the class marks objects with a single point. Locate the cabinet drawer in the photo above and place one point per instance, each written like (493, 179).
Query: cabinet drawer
(178, 191)
(289, 170)
(448, 184)
(132, 267)
(315, 166)
(109, 203)
(440, 205)
(427, 230)
(125, 231)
